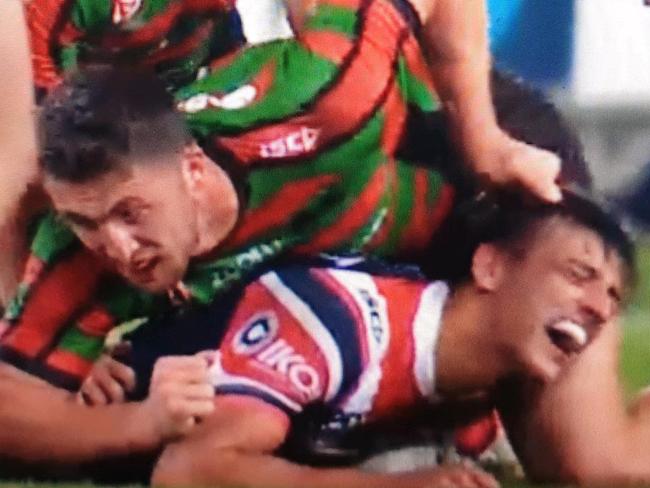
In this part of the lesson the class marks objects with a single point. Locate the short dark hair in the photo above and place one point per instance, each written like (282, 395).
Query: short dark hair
(510, 220)
(100, 115)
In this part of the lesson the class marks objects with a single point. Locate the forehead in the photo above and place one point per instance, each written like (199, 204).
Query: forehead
(145, 181)
(559, 240)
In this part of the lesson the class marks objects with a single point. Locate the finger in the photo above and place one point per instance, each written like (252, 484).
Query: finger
(185, 376)
(112, 389)
(210, 356)
(191, 365)
(195, 391)
(122, 374)
(93, 395)
(197, 409)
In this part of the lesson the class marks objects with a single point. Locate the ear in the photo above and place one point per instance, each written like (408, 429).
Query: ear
(488, 267)
(193, 166)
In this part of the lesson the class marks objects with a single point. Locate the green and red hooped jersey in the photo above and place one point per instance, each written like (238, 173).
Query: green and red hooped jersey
(174, 36)
(315, 123)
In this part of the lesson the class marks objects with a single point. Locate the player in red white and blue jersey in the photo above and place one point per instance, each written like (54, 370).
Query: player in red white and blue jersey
(362, 344)
(372, 348)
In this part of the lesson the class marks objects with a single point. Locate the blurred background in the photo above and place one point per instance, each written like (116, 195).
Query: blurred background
(593, 58)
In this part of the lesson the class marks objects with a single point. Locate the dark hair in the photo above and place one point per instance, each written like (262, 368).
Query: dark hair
(102, 118)
(522, 111)
(510, 220)
(527, 114)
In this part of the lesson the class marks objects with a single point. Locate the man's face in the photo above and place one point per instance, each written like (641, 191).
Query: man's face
(140, 219)
(556, 296)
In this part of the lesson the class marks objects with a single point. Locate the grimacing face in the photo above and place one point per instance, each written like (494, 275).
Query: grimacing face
(140, 219)
(556, 297)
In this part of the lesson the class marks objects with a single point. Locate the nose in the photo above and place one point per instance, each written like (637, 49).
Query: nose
(120, 244)
(597, 302)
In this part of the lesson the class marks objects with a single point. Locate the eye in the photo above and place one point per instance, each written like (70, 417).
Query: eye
(130, 215)
(580, 273)
(79, 223)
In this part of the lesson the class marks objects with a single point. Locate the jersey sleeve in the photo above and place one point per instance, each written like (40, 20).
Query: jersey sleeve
(53, 37)
(267, 353)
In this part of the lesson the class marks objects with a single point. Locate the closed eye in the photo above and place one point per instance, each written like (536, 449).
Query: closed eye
(80, 222)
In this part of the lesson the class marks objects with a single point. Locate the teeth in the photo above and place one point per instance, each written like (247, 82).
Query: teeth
(573, 330)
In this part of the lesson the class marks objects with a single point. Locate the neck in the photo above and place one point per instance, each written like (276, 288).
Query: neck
(217, 211)
(467, 358)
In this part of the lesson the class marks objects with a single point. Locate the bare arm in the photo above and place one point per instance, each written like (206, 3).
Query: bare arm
(18, 153)
(235, 446)
(40, 423)
(456, 42)
(579, 429)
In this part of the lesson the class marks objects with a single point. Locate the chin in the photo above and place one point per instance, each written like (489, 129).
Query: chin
(544, 371)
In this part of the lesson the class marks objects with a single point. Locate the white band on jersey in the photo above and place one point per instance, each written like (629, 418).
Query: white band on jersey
(376, 326)
(426, 330)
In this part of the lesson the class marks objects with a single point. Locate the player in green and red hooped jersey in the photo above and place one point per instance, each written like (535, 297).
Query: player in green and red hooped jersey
(377, 221)
(360, 195)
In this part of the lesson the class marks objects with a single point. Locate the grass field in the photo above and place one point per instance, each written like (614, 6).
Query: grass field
(635, 361)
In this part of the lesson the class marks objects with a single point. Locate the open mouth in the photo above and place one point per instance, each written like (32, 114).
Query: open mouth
(144, 268)
(568, 336)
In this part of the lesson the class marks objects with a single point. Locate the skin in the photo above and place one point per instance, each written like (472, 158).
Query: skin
(571, 278)
(61, 430)
(148, 220)
(455, 39)
(582, 429)
(456, 43)
(17, 158)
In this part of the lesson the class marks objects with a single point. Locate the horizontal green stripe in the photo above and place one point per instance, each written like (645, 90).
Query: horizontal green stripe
(92, 16)
(334, 18)
(82, 345)
(299, 77)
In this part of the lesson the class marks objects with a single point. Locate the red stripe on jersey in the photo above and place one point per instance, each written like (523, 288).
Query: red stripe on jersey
(397, 388)
(70, 363)
(96, 322)
(416, 63)
(351, 4)
(392, 187)
(280, 209)
(42, 18)
(52, 303)
(184, 48)
(208, 5)
(353, 219)
(327, 44)
(260, 361)
(426, 219)
(344, 108)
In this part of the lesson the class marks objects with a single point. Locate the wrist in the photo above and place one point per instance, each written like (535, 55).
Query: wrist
(142, 429)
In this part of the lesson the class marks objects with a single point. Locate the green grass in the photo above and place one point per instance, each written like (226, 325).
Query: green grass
(635, 358)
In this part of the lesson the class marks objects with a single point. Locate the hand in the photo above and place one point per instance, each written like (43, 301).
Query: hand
(107, 383)
(460, 476)
(180, 394)
(508, 161)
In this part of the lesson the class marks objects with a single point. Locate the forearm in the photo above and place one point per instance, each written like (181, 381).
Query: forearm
(236, 468)
(17, 154)
(41, 423)
(455, 38)
(579, 429)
